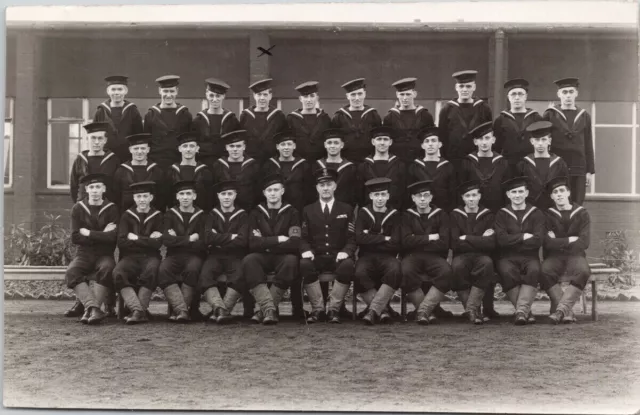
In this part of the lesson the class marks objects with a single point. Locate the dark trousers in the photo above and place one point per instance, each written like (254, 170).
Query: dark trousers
(256, 266)
(575, 266)
(578, 187)
(137, 271)
(422, 269)
(375, 269)
(472, 269)
(216, 265)
(310, 270)
(518, 269)
(179, 269)
(85, 265)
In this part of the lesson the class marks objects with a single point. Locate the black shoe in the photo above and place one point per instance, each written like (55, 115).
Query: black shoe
(76, 310)
(182, 317)
(385, 318)
(85, 316)
(422, 318)
(411, 315)
(224, 316)
(363, 313)
(521, 319)
(370, 318)
(531, 319)
(334, 317)
(137, 317)
(257, 317)
(440, 312)
(96, 316)
(393, 314)
(314, 317)
(270, 318)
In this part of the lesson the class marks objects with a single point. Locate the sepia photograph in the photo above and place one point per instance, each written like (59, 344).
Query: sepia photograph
(401, 206)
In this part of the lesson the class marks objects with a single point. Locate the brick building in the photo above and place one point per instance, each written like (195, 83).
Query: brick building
(56, 63)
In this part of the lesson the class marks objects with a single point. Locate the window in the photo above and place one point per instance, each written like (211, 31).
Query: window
(8, 143)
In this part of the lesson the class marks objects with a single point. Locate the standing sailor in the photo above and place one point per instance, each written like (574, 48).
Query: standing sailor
(309, 123)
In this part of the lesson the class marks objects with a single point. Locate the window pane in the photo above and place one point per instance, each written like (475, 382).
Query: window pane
(613, 160)
(8, 132)
(66, 107)
(613, 112)
(7, 108)
(64, 150)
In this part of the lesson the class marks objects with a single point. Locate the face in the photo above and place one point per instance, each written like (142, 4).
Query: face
(227, 198)
(379, 199)
(406, 98)
(117, 92)
(97, 141)
(143, 200)
(381, 144)
(466, 90)
(560, 195)
(95, 190)
(236, 150)
(471, 199)
(431, 145)
(422, 200)
(334, 146)
(286, 148)
(139, 152)
(168, 95)
(518, 195)
(188, 150)
(310, 101)
(214, 99)
(485, 142)
(517, 98)
(356, 98)
(568, 95)
(326, 189)
(186, 197)
(274, 193)
(263, 98)
(541, 144)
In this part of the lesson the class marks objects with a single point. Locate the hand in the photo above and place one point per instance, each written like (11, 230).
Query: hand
(527, 236)
(256, 232)
(234, 236)
(132, 236)
(434, 237)
(572, 239)
(172, 232)
(590, 177)
(366, 231)
(282, 238)
(341, 256)
(463, 237)
(551, 234)
(156, 235)
(110, 227)
(308, 255)
(84, 232)
(489, 232)
(387, 238)
(194, 237)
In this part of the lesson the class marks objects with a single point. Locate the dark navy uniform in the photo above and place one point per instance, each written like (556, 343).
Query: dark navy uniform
(378, 259)
(346, 182)
(539, 171)
(127, 174)
(211, 127)
(164, 125)
(123, 121)
(184, 258)
(200, 174)
(424, 262)
(393, 169)
(443, 179)
(309, 128)
(140, 258)
(512, 139)
(298, 182)
(261, 127)
(267, 254)
(472, 263)
(246, 173)
(225, 253)
(491, 172)
(87, 164)
(573, 141)
(357, 125)
(518, 261)
(95, 252)
(562, 257)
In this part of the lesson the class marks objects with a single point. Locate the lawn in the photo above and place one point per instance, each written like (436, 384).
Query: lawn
(52, 361)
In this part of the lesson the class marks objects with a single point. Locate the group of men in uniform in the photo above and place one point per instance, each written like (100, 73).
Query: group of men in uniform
(235, 198)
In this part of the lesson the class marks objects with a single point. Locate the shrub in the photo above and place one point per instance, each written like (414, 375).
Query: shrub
(50, 245)
(618, 254)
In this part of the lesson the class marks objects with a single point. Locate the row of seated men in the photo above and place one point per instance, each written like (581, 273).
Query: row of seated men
(394, 249)
(485, 165)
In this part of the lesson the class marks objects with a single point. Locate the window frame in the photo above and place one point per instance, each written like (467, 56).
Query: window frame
(10, 101)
